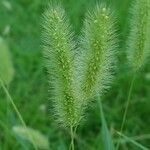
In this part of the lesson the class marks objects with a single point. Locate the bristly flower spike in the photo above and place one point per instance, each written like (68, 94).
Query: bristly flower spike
(98, 47)
(138, 45)
(59, 47)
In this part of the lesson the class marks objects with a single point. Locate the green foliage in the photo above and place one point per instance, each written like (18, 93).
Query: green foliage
(133, 142)
(32, 135)
(138, 41)
(107, 139)
(6, 67)
(29, 88)
(58, 51)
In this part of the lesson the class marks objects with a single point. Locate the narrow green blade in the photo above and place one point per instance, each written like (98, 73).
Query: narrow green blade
(106, 137)
(133, 142)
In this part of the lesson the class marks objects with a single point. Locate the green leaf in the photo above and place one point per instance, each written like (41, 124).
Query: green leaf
(133, 141)
(31, 135)
(6, 67)
(106, 137)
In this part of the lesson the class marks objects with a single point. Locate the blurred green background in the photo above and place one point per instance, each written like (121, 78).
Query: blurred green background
(20, 28)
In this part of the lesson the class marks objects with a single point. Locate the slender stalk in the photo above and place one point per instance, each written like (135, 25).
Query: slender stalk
(126, 109)
(16, 109)
(106, 136)
(133, 142)
(7, 123)
(72, 138)
(7, 131)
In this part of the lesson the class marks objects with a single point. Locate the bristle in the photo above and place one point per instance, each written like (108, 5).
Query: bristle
(58, 51)
(99, 42)
(76, 80)
(138, 45)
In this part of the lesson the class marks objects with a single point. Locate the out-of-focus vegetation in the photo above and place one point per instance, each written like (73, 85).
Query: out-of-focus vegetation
(20, 29)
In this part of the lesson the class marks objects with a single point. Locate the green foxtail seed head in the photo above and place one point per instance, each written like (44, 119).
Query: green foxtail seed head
(138, 49)
(31, 135)
(6, 66)
(58, 51)
(98, 49)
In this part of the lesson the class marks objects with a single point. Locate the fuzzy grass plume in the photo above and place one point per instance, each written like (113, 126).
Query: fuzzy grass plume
(29, 134)
(76, 79)
(98, 46)
(6, 66)
(95, 60)
(59, 45)
(139, 37)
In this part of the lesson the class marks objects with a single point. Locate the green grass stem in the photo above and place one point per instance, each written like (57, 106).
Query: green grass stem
(126, 108)
(15, 108)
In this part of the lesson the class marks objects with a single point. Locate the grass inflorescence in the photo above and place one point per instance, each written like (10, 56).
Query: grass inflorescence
(98, 51)
(138, 49)
(58, 50)
(77, 78)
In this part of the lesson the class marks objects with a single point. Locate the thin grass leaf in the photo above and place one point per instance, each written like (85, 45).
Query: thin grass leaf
(31, 135)
(133, 141)
(106, 137)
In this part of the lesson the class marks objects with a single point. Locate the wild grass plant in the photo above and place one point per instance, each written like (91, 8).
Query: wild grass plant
(78, 73)
(6, 76)
(138, 45)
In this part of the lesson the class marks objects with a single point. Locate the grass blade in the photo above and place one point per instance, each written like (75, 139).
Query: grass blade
(106, 137)
(15, 107)
(133, 141)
